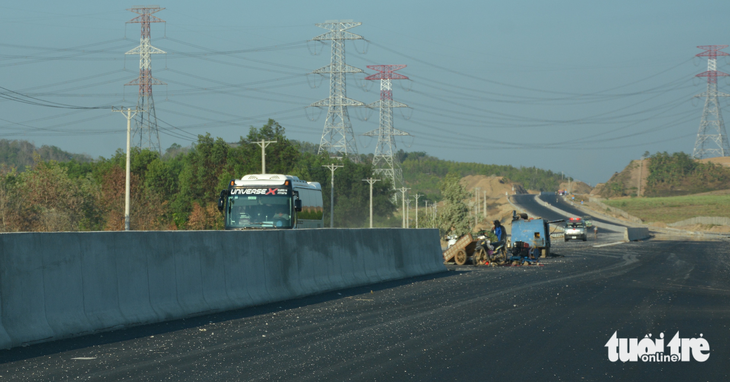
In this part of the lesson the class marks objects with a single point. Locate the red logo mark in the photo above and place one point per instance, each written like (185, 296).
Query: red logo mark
(272, 191)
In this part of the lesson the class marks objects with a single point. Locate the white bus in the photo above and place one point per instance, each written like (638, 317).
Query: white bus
(261, 201)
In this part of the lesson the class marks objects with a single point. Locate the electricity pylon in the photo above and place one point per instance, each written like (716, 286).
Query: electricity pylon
(384, 162)
(712, 126)
(337, 136)
(145, 124)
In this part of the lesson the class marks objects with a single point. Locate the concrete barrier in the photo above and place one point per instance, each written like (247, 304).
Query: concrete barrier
(22, 292)
(57, 285)
(634, 233)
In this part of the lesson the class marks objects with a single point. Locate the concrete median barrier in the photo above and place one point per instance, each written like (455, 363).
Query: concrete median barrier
(57, 285)
(22, 291)
(636, 233)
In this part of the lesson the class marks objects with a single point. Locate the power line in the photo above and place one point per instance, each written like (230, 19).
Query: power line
(12, 95)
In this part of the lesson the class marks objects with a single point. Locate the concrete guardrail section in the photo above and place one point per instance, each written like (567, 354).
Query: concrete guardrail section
(636, 233)
(58, 285)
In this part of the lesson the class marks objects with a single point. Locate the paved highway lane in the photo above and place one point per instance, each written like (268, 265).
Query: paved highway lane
(547, 322)
(535, 209)
(529, 203)
(568, 207)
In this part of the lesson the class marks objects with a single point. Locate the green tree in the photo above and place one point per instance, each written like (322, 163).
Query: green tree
(455, 213)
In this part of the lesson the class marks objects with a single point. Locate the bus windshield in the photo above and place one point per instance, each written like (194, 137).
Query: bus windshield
(259, 211)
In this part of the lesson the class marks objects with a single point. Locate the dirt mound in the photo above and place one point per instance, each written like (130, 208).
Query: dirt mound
(576, 187)
(723, 161)
(495, 186)
(705, 228)
(626, 182)
(497, 189)
(597, 190)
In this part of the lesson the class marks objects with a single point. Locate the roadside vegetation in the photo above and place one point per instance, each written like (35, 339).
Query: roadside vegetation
(669, 175)
(178, 190)
(423, 174)
(46, 189)
(675, 208)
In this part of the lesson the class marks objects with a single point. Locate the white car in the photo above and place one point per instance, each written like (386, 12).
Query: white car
(575, 228)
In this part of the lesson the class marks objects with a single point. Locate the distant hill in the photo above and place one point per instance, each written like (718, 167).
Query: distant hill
(422, 173)
(664, 174)
(576, 187)
(19, 154)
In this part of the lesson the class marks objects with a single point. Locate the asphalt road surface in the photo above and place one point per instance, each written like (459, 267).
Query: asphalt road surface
(566, 206)
(529, 203)
(547, 322)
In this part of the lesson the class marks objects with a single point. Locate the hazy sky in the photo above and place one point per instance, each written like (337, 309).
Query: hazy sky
(576, 86)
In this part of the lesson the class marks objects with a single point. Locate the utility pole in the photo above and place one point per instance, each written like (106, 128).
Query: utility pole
(371, 181)
(384, 162)
(337, 135)
(485, 205)
(408, 209)
(435, 214)
(129, 114)
(403, 194)
(426, 208)
(712, 126)
(476, 206)
(146, 124)
(641, 170)
(332, 168)
(417, 196)
(263, 145)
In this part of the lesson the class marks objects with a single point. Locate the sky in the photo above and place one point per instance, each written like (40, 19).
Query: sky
(579, 87)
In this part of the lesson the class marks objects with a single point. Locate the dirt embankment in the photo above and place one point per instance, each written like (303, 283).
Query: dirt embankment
(577, 187)
(631, 181)
(496, 190)
(628, 181)
(723, 161)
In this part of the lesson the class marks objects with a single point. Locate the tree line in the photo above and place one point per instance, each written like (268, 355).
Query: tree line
(669, 175)
(59, 191)
(423, 173)
(176, 190)
(680, 174)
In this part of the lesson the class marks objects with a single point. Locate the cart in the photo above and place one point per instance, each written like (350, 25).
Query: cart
(461, 250)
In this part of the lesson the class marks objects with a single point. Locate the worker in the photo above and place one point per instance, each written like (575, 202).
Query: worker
(498, 231)
(595, 232)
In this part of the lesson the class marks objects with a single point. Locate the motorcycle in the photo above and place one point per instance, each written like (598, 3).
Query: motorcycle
(485, 251)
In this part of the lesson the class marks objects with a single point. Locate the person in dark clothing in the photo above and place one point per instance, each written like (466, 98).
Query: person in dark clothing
(498, 231)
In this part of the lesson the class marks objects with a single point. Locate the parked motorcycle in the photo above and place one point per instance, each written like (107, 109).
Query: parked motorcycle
(487, 251)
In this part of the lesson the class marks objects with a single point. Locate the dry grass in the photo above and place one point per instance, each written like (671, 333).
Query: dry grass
(675, 208)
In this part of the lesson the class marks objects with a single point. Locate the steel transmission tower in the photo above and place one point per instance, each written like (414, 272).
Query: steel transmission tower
(712, 127)
(145, 124)
(337, 135)
(384, 162)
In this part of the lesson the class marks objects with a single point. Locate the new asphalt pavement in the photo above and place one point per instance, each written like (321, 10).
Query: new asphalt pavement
(549, 322)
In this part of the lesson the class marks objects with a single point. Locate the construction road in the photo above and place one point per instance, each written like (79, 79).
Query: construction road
(547, 322)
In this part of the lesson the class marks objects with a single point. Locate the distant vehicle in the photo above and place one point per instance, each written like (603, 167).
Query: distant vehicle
(265, 201)
(589, 221)
(575, 228)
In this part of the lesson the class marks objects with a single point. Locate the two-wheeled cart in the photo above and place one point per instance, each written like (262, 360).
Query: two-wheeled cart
(461, 250)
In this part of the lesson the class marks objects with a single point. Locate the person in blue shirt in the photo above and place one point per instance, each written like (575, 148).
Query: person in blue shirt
(498, 231)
